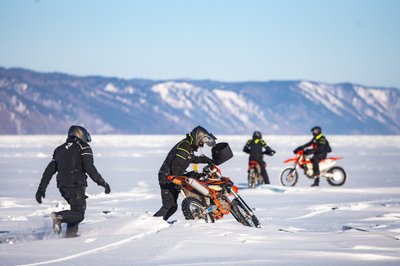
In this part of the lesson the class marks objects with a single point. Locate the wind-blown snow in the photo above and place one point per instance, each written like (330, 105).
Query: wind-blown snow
(234, 103)
(189, 99)
(372, 103)
(322, 93)
(130, 90)
(357, 224)
(111, 88)
(374, 97)
(176, 93)
(19, 106)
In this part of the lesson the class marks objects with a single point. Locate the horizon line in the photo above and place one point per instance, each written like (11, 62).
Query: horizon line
(196, 79)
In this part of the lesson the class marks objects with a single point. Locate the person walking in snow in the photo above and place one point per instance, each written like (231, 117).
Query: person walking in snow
(319, 150)
(178, 159)
(255, 147)
(72, 160)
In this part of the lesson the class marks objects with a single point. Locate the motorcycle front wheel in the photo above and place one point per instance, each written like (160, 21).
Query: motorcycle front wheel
(241, 215)
(336, 176)
(193, 209)
(289, 177)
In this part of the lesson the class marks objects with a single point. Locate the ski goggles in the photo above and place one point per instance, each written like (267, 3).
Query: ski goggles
(209, 140)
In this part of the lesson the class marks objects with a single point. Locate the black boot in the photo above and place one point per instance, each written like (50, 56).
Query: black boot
(72, 231)
(316, 181)
(56, 218)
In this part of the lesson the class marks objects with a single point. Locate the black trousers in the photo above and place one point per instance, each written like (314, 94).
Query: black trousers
(169, 196)
(315, 162)
(76, 198)
(264, 174)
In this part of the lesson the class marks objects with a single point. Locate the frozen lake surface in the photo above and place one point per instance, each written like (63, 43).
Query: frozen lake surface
(357, 224)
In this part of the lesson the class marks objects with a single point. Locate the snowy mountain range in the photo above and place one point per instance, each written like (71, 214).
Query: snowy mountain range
(48, 103)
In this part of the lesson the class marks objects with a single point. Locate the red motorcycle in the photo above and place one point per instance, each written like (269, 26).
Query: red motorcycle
(254, 177)
(335, 175)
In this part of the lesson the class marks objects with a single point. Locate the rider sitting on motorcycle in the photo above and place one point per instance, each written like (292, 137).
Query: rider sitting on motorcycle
(254, 147)
(178, 159)
(319, 149)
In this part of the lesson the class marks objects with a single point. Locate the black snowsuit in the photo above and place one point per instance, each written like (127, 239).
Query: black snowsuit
(72, 160)
(176, 163)
(255, 148)
(320, 149)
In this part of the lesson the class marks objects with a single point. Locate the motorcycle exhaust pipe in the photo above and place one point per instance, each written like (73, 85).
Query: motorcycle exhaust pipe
(197, 186)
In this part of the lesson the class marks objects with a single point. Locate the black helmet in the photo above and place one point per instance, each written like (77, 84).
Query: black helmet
(257, 135)
(80, 133)
(201, 136)
(316, 130)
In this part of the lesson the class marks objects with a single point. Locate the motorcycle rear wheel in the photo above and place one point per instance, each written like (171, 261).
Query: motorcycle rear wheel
(242, 216)
(193, 209)
(338, 176)
(252, 179)
(289, 177)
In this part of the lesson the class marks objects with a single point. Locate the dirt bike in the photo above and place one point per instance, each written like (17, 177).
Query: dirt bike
(254, 177)
(335, 175)
(206, 194)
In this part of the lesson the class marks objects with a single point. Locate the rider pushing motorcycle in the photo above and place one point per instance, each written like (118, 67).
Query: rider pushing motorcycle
(319, 149)
(254, 147)
(178, 159)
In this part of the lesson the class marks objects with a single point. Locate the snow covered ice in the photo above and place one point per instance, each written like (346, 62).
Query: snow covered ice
(357, 224)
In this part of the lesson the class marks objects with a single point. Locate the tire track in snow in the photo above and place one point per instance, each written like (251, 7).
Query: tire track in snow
(153, 230)
(351, 206)
(236, 262)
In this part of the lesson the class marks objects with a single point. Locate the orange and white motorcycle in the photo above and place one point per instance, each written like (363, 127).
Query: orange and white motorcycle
(335, 175)
(210, 195)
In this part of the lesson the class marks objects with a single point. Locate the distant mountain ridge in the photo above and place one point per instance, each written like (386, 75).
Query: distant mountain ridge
(48, 103)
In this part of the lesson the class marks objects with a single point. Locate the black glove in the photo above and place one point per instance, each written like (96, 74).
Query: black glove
(207, 160)
(107, 188)
(191, 174)
(164, 180)
(297, 150)
(195, 175)
(39, 195)
(308, 152)
(269, 151)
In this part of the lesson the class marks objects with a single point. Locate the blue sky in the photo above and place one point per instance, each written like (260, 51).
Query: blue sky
(330, 41)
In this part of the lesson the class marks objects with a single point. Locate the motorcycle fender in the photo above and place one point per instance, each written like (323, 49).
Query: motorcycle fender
(290, 160)
(325, 165)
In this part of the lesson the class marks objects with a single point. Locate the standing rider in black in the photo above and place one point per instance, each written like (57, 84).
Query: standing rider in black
(319, 149)
(72, 160)
(178, 159)
(255, 148)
